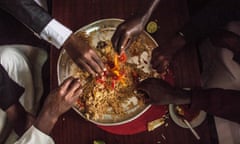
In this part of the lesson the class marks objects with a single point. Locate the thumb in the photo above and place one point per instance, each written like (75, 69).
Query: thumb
(143, 87)
(145, 94)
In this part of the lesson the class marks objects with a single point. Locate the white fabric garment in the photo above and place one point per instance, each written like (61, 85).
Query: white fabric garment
(17, 66)
(55, 33)
(23, 64)
(34, 136)
(220, 71)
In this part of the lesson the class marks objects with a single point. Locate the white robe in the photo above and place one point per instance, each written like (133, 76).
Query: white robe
(220, 71)
(23, 64)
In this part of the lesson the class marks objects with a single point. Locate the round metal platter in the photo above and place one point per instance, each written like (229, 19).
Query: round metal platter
(103, 30)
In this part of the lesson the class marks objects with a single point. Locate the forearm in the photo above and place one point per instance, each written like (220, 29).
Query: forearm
(28, 12)
(150, 8)
(45, 122)
(181, 96)
(219, 102)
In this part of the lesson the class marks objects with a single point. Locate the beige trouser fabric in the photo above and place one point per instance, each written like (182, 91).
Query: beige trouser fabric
(220, 71)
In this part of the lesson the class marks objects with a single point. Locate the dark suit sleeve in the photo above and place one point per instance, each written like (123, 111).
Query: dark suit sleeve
(216, 14)
(28, 12)
(10, 91)
(218, 102)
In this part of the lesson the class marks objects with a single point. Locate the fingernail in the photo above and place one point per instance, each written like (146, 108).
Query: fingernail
(104, 69)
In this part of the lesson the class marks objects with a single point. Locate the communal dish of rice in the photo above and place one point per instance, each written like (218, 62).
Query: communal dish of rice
(109, 95)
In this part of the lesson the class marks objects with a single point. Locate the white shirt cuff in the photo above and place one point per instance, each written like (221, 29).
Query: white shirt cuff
(55, 33)
(34, 136)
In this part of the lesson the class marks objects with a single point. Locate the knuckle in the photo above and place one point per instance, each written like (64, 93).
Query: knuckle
(128, 33)
(61, 92)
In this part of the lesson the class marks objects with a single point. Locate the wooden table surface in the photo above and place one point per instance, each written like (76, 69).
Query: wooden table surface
(170, 17)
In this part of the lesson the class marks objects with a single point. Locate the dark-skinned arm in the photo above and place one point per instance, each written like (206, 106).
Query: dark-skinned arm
(209, 22)
(130, 29)
(41, 23)
(58, 102)
(219, 102)
(216, 101)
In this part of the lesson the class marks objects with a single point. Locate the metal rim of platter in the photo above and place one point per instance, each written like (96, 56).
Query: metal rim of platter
(62, 66)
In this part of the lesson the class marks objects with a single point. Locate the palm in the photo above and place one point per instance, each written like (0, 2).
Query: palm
(126, 33)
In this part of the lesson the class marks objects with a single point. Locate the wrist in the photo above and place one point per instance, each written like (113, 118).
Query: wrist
(45, 122)
(183, 97)
(52, 117)
(68, 41)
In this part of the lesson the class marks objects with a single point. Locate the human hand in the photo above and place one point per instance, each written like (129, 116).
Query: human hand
(127, 32)
(63, 98)
(162, 56)
(162, 93)
(57, 103)
(85, 57)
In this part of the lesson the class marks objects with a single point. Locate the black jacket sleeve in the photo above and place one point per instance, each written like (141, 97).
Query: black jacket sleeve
(218, 102)
(28, 12)
(10, 91)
